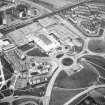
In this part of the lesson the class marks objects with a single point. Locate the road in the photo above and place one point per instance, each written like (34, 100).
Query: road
(2, 75)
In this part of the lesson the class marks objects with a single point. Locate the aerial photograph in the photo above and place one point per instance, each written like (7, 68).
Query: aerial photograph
(52, 52)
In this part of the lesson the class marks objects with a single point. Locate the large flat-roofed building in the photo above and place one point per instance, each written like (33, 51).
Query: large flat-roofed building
(44, 40)
(19, 36)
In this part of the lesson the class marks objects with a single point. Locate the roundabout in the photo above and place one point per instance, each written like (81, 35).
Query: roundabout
(67, 61)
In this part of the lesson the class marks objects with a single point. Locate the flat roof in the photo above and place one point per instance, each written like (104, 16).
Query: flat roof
(46, 40)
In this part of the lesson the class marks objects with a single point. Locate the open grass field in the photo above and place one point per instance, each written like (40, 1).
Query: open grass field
(60, 96)
(98, 62)
(37, 52)
(82, 79)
